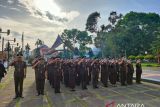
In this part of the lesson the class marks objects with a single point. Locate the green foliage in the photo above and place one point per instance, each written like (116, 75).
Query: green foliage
(149, 64)
(149, 57)
(132, 57)
(141, 57)
(132, 35)
(155, 46)
(75, 36)
(92, 21)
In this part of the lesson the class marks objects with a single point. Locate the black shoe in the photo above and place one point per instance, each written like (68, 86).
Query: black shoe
(15, 97)
(84, 88)
(106, 86)
(21, 97)
(123, 85)
(73, 90)
(42, 93)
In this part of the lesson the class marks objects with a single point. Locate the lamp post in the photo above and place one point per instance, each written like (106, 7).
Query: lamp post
(14, 40)
(146, 52)
(8, 33)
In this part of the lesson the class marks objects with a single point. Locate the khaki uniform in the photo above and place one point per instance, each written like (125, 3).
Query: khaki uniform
(19, 77)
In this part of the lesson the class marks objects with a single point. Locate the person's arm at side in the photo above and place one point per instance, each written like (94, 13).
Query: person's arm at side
(25, 70)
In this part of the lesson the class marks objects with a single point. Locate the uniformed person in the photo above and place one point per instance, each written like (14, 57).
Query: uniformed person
(19, 75)
(117, 70)
(49, 71)
(35, 69)
(113, 73)
(57, 75)
(88, 67)
(72, 75)
(78, 76)
(104, 73)
(138, 72)
(130, 71)
(83, 73)
(66, 73)
(123, 72)
(40, 76)
(3, 71)
(95, 73)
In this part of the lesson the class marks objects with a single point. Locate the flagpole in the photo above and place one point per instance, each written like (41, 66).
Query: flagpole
(22, 42)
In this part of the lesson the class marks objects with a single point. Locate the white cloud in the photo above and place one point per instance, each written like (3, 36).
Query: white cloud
(15, 9)
(49, 11)
(32, 32)
(10, 1)
(3, 6)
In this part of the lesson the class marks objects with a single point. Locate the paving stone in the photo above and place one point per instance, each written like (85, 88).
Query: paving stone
(147, 94)
(153, 93)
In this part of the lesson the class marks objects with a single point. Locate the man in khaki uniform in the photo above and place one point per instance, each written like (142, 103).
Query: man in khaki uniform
(19, 74)
(40, 76)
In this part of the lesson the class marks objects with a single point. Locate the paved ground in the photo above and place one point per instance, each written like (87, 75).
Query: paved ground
(146, 93)
(151, 73)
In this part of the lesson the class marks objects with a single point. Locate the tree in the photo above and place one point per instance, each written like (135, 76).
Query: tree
(75, 37)
(91, 26)
(132, 57)
(155, 46)
(136, 31)
(92, 21)
(132, 35)
(39, 42)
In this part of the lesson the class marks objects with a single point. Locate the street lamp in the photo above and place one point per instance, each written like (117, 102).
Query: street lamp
(14, 40)
(146, 52)
(7, 32)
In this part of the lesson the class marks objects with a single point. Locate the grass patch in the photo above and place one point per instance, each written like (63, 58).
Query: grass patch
(149, 64)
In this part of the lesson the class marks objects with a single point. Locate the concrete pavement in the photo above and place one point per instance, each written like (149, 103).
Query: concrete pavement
(147, 94)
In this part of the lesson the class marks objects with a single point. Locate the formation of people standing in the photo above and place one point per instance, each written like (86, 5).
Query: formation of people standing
(83, 72)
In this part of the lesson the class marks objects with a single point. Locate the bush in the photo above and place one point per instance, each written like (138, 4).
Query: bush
(149, 57)
(132, 57)
(141, 57)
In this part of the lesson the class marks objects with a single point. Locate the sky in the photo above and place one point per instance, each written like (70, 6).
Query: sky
(45, 19)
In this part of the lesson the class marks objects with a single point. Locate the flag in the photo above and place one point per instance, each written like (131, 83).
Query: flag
(57, 42)
(44, 51)
(51, 51)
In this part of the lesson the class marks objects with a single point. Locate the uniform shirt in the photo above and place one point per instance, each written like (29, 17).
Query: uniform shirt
(138, 67)
(41, 68)
(19, 68)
